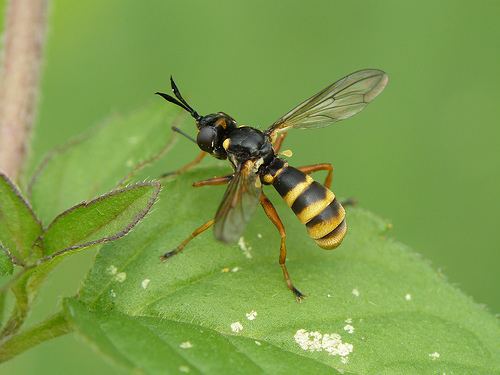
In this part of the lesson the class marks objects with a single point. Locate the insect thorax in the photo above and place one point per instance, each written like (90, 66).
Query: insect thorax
(246, 143)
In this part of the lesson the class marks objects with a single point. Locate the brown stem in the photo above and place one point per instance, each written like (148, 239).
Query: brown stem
(19, 77)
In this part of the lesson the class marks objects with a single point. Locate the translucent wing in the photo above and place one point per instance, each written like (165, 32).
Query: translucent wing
(238, 205)
(338, 101)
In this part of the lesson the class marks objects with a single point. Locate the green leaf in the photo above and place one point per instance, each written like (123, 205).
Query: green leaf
(103, 219)
(138, 342)
(406, 317)
(6, 266)
(19, 227)
(97, 163)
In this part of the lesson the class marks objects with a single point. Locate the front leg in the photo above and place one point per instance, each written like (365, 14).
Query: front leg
(182, 245)
(213, 181)
(197, 160)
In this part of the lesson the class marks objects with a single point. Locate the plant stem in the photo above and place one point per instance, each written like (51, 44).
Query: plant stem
(53, 327)
(25, 286)
(19, 78)
(21, 308)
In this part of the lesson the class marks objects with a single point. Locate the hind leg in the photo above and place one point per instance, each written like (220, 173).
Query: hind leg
(328, 180)
(320, 167)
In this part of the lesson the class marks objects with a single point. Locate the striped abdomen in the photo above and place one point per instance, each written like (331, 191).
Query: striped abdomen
(314, 205)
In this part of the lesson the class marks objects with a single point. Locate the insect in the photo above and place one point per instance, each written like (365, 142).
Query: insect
(255, 159)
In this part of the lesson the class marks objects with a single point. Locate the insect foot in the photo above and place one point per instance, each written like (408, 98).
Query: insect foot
(169, 254)
(299, 297)
(349, 202)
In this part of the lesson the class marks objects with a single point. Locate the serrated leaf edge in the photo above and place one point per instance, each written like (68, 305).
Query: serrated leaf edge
(157, 188)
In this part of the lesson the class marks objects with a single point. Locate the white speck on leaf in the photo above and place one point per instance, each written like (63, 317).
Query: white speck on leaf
(184, 369)
(120, 277)
(236, 327)
(408, 297)
(349, 328)
(245, 248)
(112, 270)
(434, 356)
(344, 349)
(145, 283)
(355, 292)
(186, 345)
(328, 342)
(251, 315)
(112, 293)
(348, 321)
(259, 235)
(258, 343)
(328, 295)
(235, 269)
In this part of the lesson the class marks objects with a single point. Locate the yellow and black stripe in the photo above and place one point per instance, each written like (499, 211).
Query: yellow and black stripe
(314, 205)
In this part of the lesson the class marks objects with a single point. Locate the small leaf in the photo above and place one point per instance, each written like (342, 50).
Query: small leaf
(19, 227)
(103, 219)
(6, 266)
(399, 315)
(97, 162)
(144, 344)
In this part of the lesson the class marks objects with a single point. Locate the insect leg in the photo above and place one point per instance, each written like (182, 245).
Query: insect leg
(213, 181)
(320, 167)
(186, 167)
(183, 244)
(273, 216)
(279, 141)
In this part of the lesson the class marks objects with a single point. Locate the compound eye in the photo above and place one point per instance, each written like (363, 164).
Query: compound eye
(206, 138)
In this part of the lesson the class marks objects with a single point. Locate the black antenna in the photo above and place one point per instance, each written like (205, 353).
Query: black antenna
(177, 93)
(181, 102)
(176, 129)
(170, 99)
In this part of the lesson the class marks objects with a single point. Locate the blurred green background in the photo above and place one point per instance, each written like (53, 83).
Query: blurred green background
(425, 154)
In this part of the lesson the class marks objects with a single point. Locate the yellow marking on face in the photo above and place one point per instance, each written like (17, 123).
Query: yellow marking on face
(221, 122)
(331, 242)
(297, 190)
(287, 153)
(258, 184)
(226, 143)
(315, 208)
(323, 228)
